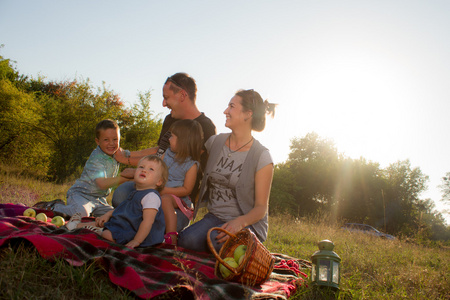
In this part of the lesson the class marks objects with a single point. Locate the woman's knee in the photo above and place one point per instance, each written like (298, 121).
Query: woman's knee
(194, 237)
(191, 241)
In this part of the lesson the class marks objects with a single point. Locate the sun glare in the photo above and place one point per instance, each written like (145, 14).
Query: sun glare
(357, 97)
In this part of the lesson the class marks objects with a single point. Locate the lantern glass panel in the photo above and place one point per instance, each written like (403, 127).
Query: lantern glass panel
(313, 272)
(335, 272)
(324, 270)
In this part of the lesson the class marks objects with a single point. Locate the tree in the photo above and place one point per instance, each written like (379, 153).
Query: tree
(284, 187)
(359, 192)
(142, 128)
(316, 178)
(405, 184)
(308, 176)
(445, 188)
(48, 128)
(19, 114)
(70, 112)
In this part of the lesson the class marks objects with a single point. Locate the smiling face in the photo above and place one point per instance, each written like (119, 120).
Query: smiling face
(234, 113)
(171, 100)
(148, 175)
(108, 140)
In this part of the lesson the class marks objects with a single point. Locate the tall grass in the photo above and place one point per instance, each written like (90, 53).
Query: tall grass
(372, 268)
(18, 186)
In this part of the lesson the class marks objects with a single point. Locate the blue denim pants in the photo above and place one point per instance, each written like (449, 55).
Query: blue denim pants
(85, 204)
(194, 236)
(121, 193)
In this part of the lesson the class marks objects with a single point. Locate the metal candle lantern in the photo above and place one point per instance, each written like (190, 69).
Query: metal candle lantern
(326, 267)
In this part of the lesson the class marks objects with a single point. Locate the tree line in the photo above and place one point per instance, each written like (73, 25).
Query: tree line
(316, 179)
(47, 128)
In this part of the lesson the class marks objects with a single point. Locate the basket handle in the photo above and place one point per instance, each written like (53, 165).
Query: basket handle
(213, 250)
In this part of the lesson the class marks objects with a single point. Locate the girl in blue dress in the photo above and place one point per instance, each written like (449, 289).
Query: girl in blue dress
(182, 160)
(138, 221)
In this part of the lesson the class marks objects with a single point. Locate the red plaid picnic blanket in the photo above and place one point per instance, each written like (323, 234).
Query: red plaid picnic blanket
(147, 272)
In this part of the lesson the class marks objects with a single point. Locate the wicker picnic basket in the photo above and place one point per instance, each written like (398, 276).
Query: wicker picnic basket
(257, 264)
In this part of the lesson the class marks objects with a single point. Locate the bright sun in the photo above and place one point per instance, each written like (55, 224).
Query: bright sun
(360, 97)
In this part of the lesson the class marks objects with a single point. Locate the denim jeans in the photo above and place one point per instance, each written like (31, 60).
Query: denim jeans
(194, 236)
(84, 204)
(121, 193)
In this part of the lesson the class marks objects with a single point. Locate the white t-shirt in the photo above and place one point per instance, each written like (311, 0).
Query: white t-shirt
(151, 200)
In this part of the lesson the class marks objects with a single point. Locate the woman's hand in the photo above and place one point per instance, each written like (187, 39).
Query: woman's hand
(233, 226)
(120, 156)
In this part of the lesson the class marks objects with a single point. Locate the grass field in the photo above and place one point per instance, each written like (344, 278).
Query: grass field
(372, 268)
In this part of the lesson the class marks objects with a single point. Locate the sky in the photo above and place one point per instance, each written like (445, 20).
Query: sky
(372, 76)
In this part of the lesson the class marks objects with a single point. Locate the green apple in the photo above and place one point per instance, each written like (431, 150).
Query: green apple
(241, 259)
(58, 221)
(224, 270)
(29, 213)
(239, 251)
(41, 217)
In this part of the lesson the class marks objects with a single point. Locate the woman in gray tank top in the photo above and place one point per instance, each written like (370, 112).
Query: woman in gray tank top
(238, 176)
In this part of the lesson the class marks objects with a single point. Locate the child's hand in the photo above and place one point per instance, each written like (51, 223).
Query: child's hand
(100, 221)
(132, 244)
(128, 173)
